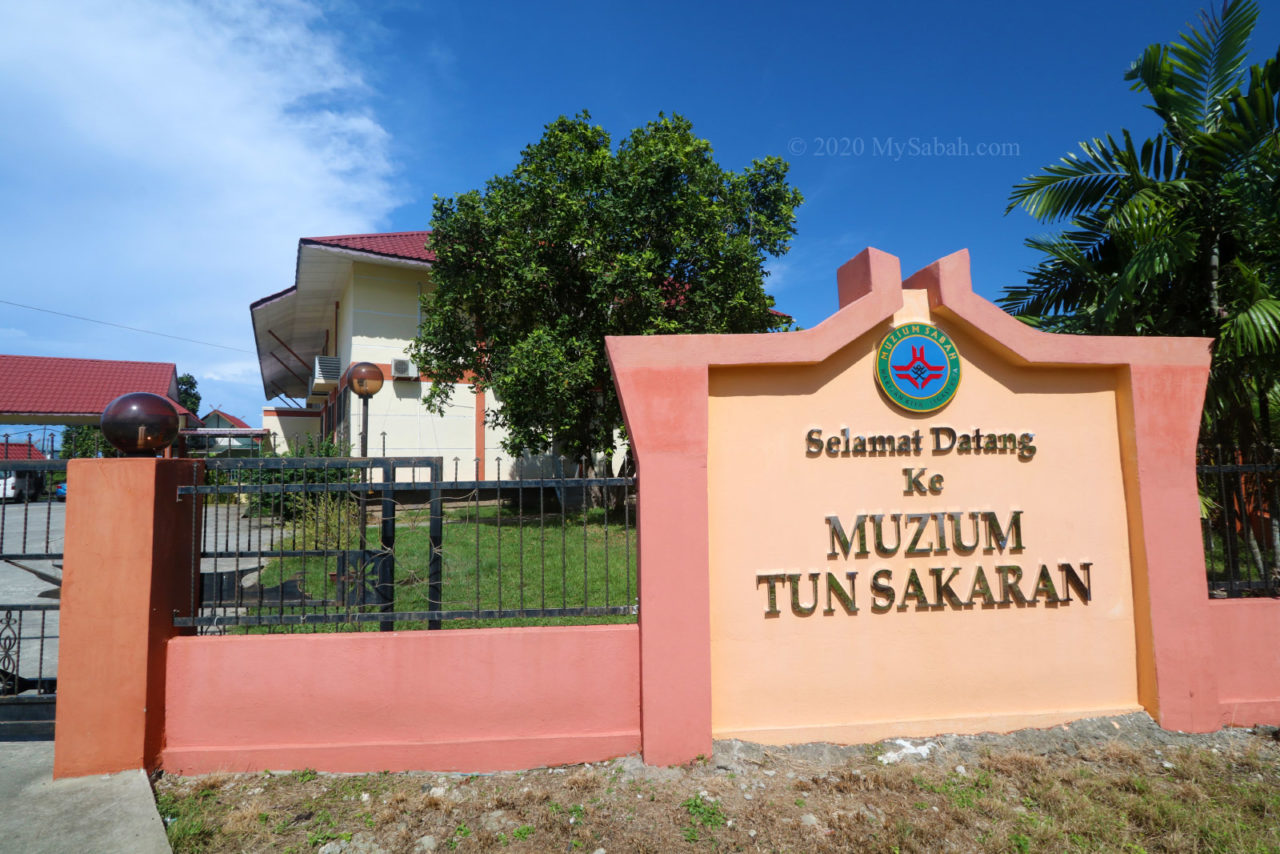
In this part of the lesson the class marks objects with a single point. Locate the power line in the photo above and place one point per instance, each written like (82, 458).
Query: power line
(122, 326)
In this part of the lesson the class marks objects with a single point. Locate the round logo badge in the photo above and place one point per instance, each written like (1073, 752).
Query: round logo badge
(918, 368)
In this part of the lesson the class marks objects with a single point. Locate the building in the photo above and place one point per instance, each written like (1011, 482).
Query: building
(224, 434)
(56, 390)
(355, 298)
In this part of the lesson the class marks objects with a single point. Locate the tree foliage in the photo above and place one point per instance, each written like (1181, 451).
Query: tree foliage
(1178, 234)
(581, 241)
(188, 395)
(83, 440)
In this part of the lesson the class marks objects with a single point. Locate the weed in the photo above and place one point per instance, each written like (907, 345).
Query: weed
(1021, 842)
(460, 833)
(524, 831)
(704, 811)
(189, 834)
(962, 792)
(306, 775)
(316, 838)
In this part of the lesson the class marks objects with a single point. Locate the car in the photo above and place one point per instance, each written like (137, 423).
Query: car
(60, 493)
(20, 486)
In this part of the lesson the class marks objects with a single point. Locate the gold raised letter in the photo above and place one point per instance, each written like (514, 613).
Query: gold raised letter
(773, 579)
(796, 608)
(847, 600)
(882, 588)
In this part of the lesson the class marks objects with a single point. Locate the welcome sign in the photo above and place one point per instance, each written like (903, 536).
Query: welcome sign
(920, 516)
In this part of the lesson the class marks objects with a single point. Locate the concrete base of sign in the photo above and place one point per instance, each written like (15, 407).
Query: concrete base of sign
(866, 732)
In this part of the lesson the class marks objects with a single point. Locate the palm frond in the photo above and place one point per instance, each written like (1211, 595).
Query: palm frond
(1254, 329)
(1188, 79)
(1078, 183)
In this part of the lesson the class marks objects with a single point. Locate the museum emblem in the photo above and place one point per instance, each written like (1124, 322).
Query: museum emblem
(918, 368)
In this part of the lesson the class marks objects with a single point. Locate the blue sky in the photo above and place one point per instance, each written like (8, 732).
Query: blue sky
(160, 160)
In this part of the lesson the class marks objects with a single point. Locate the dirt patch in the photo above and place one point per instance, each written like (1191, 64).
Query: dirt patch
(1107, 784)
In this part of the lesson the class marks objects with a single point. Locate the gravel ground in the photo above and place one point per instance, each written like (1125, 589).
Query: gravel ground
(1104, 784)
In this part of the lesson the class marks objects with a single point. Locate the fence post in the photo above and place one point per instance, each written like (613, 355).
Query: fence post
(435, 566)
(387, 542)
(127, 566)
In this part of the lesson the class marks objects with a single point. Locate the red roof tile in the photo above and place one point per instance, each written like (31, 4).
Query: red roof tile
(398, 244)
(41, 385)
(20, 451)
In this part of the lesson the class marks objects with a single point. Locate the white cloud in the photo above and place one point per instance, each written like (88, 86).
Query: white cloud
(778, 276)
(230, 372)
(160, 159)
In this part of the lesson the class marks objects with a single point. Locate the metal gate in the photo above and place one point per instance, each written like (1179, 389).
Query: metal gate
(360, 544)
(32, 519)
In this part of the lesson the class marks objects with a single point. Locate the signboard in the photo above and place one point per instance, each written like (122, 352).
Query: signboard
(890, 546)
(920, 516)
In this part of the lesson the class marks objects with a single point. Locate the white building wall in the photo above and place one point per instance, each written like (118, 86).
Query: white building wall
(288, 429)
(378, 317)
(384, 319)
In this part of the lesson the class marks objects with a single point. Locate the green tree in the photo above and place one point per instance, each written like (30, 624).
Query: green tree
(188, 396)
(83, 440)
(581, 241)
(1176, 235)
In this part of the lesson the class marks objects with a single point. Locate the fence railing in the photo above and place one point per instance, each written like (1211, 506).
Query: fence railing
(1240, 520)
(28, 649)
(30, 528)
(31, 548)
(349, 544)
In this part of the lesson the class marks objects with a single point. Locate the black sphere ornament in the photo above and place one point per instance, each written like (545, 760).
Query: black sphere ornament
(140, 423)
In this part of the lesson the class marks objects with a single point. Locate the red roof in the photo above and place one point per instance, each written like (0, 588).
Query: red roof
(231, 419)
(45, 385)
(20, 451)
(411, 245)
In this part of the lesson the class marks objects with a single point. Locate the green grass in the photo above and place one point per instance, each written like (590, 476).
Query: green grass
(492, 559)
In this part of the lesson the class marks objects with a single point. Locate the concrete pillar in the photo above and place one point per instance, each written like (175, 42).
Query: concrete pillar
(127, 566)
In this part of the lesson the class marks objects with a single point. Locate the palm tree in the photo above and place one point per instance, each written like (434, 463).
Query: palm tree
(1178, 235)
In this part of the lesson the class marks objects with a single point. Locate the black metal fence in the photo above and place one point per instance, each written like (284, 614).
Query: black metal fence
(348, 544)
(1240, 520)
(31, 548)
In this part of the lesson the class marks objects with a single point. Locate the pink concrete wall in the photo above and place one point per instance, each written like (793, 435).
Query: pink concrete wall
(1246, 659)
(473, 700)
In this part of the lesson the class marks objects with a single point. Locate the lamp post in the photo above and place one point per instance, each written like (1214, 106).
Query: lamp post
(140, 424)
(366, 379)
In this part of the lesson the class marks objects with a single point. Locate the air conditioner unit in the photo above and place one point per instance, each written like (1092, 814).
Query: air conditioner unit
(325, 375)
(403, 369)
